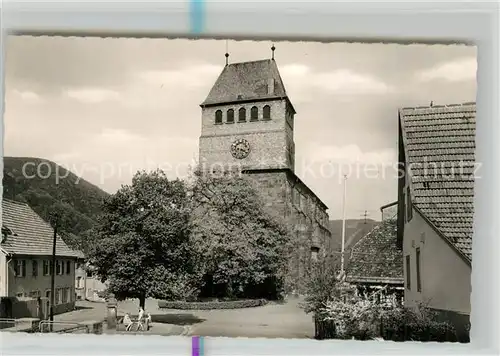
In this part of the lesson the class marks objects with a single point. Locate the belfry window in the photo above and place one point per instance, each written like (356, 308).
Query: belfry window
(266, 112)
(254, 114)
(230, 116)
(218, 117)
(242, 115)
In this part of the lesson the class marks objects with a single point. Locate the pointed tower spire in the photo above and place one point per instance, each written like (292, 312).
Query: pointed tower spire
(227, 52)
(272, 49)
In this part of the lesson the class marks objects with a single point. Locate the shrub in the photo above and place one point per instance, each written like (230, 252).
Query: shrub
(322, 286)
(233, 304)
(420, 324)
(354, 316)
(105, 294)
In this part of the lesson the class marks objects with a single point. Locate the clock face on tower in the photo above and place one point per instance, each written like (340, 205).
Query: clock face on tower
(240, 148)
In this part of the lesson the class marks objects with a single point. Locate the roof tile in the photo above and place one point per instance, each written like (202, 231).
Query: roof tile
(31, 235)
(247, 81)
(443, 137)
(376, 256)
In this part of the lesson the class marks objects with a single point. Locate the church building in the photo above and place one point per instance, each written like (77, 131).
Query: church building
(248, 122)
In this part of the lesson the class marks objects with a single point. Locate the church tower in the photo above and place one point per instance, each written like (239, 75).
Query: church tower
(248, 125)
(247, 119)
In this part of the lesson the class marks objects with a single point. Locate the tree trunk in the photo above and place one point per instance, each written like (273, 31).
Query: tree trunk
(142, 302)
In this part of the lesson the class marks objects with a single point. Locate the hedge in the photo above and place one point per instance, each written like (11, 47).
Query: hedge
(233, 304)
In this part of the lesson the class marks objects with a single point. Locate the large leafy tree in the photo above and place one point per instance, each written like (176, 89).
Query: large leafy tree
(243, 244)
(143, 248)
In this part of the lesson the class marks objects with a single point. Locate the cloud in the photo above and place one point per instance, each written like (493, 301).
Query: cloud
(92, 95)
(153, 89)
(300, 78)
(187, 76)
(118, 136)
(28, 96)
(111, 157)
(456, 71)
(348, 82)
(292, 70)
(352, 154)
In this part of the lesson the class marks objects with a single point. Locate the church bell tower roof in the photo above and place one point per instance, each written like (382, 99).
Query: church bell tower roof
(247, 81)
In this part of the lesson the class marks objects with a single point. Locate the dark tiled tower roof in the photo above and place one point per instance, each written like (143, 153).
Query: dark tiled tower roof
(443, 136)
(257, 80)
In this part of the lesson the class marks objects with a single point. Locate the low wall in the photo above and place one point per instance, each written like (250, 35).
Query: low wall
(15, 308)
(23, 307)
(64, 308)
(461, 322)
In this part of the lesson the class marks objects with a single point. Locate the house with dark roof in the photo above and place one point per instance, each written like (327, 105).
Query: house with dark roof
(247, 125)
(26, 262)
(389, 211)
(376, 262)
(435, 205)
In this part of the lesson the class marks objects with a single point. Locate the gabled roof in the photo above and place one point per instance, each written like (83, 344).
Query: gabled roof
(31, 235)
(247, 81)
(375, 258)
(443, 137)
(387, 206)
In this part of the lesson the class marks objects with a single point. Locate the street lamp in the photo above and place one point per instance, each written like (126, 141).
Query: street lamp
(55, 223)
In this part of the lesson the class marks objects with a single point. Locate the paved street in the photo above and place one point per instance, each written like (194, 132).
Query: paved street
(274, 320)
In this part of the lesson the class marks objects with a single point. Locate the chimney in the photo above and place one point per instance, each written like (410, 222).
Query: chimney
(270, 86)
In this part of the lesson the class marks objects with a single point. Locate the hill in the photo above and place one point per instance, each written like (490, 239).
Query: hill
(47, 187)
(355, 229)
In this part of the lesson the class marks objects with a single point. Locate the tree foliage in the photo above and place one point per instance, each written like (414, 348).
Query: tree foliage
(244, 246)
(143, 245)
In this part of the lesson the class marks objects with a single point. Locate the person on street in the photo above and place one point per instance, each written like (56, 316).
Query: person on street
(141, 314)
(126, 320)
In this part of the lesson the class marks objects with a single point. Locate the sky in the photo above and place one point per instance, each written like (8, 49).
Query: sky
(105, 108)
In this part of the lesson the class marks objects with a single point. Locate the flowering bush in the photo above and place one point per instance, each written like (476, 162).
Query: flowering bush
(341, 313)
(354, 316)
(322, 286)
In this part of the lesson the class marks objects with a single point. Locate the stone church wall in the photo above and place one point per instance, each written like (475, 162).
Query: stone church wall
(293, 201)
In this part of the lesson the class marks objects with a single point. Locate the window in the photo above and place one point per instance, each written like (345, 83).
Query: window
(266, 112)
(242, 115)
(314, 254)
(59, 267)
(45, 267)
(34, 268)
(79, 283)
(254, 114)
(409, 205)
(20, 268)
(419, 282)
(68, 295)
(64, 296)
(58, 296)
(408, 275)
(218, 117)
(230, 116)
(68, 267)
